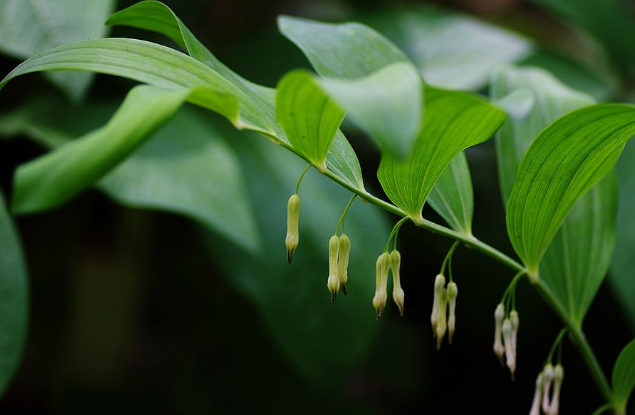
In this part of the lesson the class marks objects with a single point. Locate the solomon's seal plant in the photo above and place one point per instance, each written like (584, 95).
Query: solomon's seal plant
(555, 164)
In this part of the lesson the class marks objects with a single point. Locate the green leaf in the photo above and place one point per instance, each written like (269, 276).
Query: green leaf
(29, 27)
(326, 341)
(623, 265)
(58, 176)
(624, 376)
(383, 104)
(577, 259)
(155, 16)
(579, 256)
(453, 121)
(384, 100)
(561, 164)
(14, 299)
(309, 118)
(548, 98)
(451, 50)
(452, 196)
(179, 170)
(186, 168)
(160, 66)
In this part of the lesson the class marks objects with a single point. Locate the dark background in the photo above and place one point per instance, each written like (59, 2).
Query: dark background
(130, 313)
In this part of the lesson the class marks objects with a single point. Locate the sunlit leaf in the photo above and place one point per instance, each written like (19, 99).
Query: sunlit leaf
(561, 164)
(577, 259)
(58, 176)
(452, 122)
(307, 115)
(14, 299)
(353, 58)
(29, 27)
(451, 50)
(452, 196)
(624, 376)
(325, 340)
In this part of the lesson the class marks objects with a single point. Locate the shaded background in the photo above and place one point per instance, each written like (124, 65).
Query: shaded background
(138, 310)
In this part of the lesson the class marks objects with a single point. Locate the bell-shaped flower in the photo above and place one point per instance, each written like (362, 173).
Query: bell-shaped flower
(333, 283)
(342, 261)
(293, 219)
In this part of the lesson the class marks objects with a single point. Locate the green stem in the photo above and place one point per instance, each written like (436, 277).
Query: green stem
(297, 185)
(343, 217)
(603, 408)
(579, 339)
(469, 240)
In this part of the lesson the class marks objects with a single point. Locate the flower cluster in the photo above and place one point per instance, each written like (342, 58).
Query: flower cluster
(549, 377)
(505, 337)
(339, 254)
(386, 263)
(443, 297)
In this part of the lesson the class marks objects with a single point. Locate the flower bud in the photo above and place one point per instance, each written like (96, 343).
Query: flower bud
(398, 294)
(333, 283)
(293, 218)
(513, 317)
(453, 292)
(558, 377)
(439, 283)
(382, 267)
(342, 261)
(499, 315)
(509, 350)
(442, 325)
(535, 405)
(547, 378)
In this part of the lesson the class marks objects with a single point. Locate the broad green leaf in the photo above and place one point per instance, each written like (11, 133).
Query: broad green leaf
(325, 340)
(622, 276)
(386, 102)
(451, 50)
(383, 104)
(29, 27)
(188, 169)
(309, 118)
(155, 16)
(579, 256)
(14, 299)
(58, 176)
(452, 196)
(179, 170)
(164, 67)
(577, 259)
(624, 376)
(550, 99)
(561, 164)
(453, 121)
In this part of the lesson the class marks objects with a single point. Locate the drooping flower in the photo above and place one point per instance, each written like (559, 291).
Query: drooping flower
(509, 347)
(442, 324)
(499, 315)
(398, 294)
(333, 283)
(381, 271)
(293, 219)
(535, 404)
(439, 283)
(547, 379)
(452, 293)
(342, 261)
